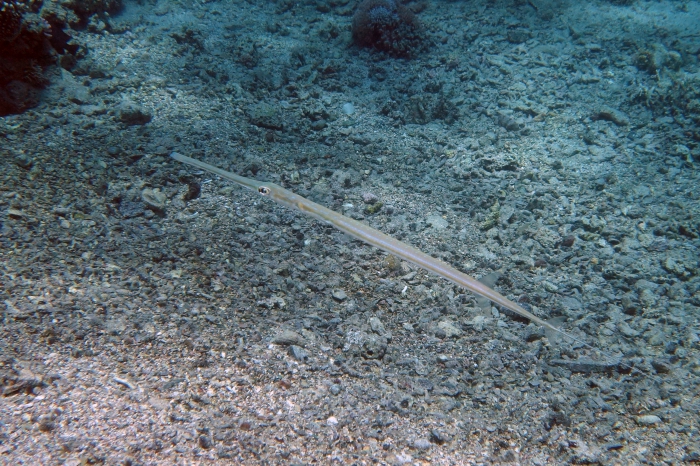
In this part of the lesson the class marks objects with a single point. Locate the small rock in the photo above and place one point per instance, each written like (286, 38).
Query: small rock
(549, 286)
(335, 389)
(15, 213)
(518, 36)
(298, 353)
(339, 295)
(568, 241)
(369, 198)
(533, 333)
(130, 209)
(421, 444)
(439, 437)
(318, 125)
(648, 420)
(610, 114)
(154, 199)
(374, 347)
(437, 222)
(660, 367)
(449, 329)
(24, 161)
(265, 115)
(133, 114)
(585, 365)
(204, 441)
(348, 108)
(288, 338)
(377, 326)
(626, 330)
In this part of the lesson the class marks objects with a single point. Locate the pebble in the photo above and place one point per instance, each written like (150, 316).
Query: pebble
(288, 338)
(124, 382)
(421, 444)
(133, 114)
(318, 125)
(585, 365)
(339, 295)
(437, 222)
(298, 353)
(204, 441)
(377, 326)
(24, 161)
(626, 330)
(449, 329)
(348, 108)
(648, 420)
(154, 199)
(611, 114)
(439, 437)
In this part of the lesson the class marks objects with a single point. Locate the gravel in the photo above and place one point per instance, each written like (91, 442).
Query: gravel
(153, 314)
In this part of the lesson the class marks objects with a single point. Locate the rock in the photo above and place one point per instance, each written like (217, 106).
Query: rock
(437, 222)
(68, 87)
(339, 295)
(154, 199)
(130, 209)
(298, 353)
(24, 161)
(204, 442)
(289, 337)
(626, 330)
(348, 108)
(318, 125)
(421, 444)
(403, 458)
(585, 365)
(132, 114)
(266, 116)
(648, 420)
(369, 198)
(439, 437)
(610, 114)
(15, 213)
(374, 347)
(449, 329)
(377, 326)
(518, 36)
(533, 333)
(345, 178)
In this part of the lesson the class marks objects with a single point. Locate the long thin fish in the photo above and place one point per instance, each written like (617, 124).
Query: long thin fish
(378, 239)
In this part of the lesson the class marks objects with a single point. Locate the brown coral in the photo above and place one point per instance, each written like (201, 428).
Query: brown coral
(388, 26)
(11, 19)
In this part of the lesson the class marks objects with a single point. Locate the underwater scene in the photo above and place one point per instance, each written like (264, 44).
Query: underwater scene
(424, 232)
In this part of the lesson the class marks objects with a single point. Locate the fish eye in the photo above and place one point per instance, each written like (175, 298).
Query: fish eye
(264, 190)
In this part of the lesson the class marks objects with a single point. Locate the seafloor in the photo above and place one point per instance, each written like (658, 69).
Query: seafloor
(154, 314)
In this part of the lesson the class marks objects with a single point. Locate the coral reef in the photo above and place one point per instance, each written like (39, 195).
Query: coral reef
(388, 26)
(25, 50)
(11, 20)
(32, 38)
(86, 8)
